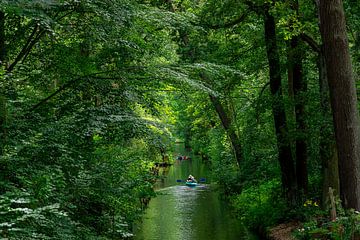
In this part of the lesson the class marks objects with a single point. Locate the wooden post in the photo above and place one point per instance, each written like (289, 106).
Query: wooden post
(332, 205)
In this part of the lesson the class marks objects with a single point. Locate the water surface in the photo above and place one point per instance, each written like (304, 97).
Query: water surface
(180, 212)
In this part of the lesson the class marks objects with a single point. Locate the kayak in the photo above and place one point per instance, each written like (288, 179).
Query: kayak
(191, 183)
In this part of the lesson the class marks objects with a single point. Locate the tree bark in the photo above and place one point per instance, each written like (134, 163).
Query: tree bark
(299, 88)
(226, 123)
(328, 151)
(343, 99)
(285, 158)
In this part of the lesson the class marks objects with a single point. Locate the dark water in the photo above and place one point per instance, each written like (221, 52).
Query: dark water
(188, 213)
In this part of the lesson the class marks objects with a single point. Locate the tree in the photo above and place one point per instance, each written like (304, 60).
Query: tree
(226, 123)
(298, 85)
(85, 112)
(187, 52)
(343, 99)
(288, 176)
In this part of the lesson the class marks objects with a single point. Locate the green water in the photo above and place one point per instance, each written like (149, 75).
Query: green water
(188, 213)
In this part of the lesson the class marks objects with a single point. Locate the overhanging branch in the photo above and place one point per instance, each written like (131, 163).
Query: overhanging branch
(311, 42)
(232, 23)
(62, 88)
(29, 43)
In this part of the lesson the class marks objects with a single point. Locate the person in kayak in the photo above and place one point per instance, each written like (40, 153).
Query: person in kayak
(191, 179)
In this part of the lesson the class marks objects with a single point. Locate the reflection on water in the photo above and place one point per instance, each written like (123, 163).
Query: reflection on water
(180, 212)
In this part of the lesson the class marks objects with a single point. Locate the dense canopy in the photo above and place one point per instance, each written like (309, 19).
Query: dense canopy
(93, 93)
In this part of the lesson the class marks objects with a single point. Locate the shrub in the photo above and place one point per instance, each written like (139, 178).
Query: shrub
(318, 225)
(260, 206)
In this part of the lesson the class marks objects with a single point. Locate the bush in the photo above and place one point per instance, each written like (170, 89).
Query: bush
(261, 206)
(319, 226)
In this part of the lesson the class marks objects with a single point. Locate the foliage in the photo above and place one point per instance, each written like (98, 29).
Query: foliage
(93, 92)
(262, 206)
(318, 225)
(82, 129)
(19, 209)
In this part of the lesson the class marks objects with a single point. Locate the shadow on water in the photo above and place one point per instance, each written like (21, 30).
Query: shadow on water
(180, 212)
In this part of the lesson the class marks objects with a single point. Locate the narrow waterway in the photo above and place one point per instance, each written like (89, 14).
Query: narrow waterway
(180, 212)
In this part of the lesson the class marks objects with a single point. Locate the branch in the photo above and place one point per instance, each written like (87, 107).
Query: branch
(24, 50)
(65, 15)
(258, 101)
(311, 42)
(234, 22)
(32, 40)
(62, 88)
(258, 9)
(263, 89)
(36, 39)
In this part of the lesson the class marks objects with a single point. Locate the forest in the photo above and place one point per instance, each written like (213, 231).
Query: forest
(93, 93)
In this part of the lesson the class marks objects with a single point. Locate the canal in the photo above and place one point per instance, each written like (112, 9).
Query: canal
(180, 212)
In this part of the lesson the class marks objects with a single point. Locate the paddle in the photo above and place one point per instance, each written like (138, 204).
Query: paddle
(202, 180)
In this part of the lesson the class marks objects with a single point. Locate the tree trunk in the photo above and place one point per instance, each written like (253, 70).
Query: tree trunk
(285, 158)
(343, 99)
(226, 123)
(297, 87)
(300, 87)
(328, 151)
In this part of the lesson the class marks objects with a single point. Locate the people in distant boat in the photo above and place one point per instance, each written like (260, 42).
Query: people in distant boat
(191, 179)
(183, 157)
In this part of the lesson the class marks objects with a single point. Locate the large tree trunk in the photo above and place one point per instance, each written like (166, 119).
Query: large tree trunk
(299, 86)
(343, 99)
(328, 151)
(226, 123)
(285, 158)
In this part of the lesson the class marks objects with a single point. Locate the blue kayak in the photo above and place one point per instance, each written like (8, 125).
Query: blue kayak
(191, 183)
